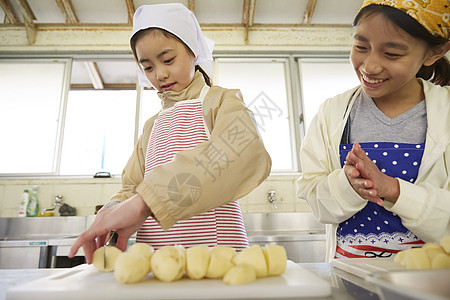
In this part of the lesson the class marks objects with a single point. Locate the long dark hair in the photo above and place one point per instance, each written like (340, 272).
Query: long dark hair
(437, 73)
(137, 36)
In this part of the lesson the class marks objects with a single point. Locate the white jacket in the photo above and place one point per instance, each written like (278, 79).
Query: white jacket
(424, 206)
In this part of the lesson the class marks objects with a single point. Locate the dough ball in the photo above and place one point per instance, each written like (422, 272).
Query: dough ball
(131, 267)
(417, 258)
(105, 257)
(430, 255)
(276, 259)
(399, 258)
(197, 262)
(431, 246)
(240, 274)
(445, 243)
(440, 261)
(253, 256)
(168, 263)
(142, 249)
(226, 252)
(218, 266)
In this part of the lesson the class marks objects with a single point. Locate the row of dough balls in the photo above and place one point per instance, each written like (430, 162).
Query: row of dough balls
(429, 256)
(170, 263)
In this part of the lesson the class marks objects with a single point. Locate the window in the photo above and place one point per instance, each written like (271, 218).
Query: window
(100, 128)
(99, 131)
(321, 79)
(49, 129)
(263, 84)
(30, 115)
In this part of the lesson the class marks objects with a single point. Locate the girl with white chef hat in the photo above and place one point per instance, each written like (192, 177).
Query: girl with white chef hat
(376, 159)
(195, 158)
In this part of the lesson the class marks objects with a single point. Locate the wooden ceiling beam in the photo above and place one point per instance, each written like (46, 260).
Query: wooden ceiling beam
(67, 10)
(10, 15)
(110, 86)
(248, 15)
(130, 10)
(94, 74)
(309, 11)
(26, 10)
(28, 20)
(66, 38)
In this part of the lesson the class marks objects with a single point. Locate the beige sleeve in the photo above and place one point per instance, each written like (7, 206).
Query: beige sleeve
(221, 170)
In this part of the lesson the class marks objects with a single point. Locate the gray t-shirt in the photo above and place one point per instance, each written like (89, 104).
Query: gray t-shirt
(369, 124)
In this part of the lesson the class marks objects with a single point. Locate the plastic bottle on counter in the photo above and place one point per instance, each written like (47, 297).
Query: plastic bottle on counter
(24, 203)
(33, 203)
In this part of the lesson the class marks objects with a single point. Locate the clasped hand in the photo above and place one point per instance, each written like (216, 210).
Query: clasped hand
(367, 180)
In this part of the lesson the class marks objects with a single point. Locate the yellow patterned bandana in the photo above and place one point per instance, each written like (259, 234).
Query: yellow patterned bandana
(434, 15)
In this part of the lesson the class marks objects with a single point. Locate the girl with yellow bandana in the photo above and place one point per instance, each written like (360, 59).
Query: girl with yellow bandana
(376, 159)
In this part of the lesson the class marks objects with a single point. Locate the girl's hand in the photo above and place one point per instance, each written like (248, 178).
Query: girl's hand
(362, 186)
(367, 180)
(124, 218)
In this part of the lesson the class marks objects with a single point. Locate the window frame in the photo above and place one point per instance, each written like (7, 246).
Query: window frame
(297, 61)
(291, 59)
(292, 105)
(67, 61)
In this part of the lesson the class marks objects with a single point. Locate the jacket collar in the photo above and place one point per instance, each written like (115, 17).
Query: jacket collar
(192, 91)
(437, 102)
(437, 139)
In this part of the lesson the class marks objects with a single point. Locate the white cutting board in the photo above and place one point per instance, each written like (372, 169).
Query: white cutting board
(363, 267)
(86, 282)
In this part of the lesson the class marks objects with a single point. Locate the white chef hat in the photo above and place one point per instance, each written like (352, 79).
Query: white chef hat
(181, 22)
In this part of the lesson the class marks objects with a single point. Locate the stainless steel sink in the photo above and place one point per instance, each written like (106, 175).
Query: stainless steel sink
(38, 242)
(27, 242)
(282, 222)
(41, 227)
(300, 234)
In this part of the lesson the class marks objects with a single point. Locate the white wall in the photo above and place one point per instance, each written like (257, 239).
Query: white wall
(85, 193)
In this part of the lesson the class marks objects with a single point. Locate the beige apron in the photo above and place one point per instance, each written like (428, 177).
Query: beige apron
(179, 128)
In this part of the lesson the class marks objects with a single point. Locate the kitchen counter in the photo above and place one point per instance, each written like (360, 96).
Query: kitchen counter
(344, 285)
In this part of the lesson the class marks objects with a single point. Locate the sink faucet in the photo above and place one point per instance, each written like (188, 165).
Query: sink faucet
(271, 198)
(58, 202)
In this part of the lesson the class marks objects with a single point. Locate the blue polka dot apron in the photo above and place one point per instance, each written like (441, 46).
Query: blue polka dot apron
(375, 231)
